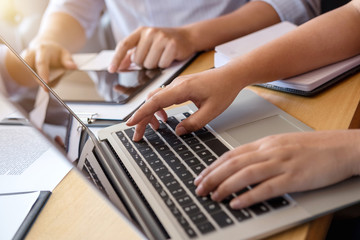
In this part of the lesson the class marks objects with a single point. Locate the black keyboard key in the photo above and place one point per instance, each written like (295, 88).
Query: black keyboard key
(180, 148)
(172, 184)
(148, 131)
(172, 161)
(175, 211)
(185, 175)
(191, 209)
(205, 227)
(178, 192)
(212, 207)
(129, 132)
(240, 214)
(206, 136)
(186, 114)
(259, 208)
(184, 200)
(222, 219)
(183, 222)
(165, 176)
(204, 154)
(179, 168)
(173, 141)
(162, 148)
(209, 159)
(167, 154)
(198, 218)
(173, 122)
(186, 155)
(190, 232)
(156, 142)
(186, 136)
(216, 146)
(198, 168)
(150, 156)
(278, 202)
(121, 136)
(201, 131)
(161, 170)
(152, 137)
(192, 162)
(164, 195)
(155, 162)
(169, 202)
(191, 141)
(145, 151)
(198, 147)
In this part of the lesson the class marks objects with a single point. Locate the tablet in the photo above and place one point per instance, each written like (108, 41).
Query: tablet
(102, 86)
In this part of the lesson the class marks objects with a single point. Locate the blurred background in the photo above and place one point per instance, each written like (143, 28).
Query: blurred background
(20, 21)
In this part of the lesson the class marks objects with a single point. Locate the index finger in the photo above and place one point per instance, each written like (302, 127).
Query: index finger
(42, 65)
(162, 99)
(122, 48)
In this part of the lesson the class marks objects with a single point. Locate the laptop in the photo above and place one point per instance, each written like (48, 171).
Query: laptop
(151, 181)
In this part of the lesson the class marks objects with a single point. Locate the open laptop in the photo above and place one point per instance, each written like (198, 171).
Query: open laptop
(151, 181)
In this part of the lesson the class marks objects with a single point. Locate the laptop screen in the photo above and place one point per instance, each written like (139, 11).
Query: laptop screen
(40, 105)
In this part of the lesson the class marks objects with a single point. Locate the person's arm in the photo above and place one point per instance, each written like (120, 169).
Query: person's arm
(160, 46)
(59, 35)
(326, 39)
(64, 29)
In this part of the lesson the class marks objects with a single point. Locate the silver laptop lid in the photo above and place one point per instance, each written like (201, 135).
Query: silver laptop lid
(39, 104)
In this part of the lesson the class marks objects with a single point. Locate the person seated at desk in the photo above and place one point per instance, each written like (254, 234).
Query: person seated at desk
(68, 23)
(276, 164)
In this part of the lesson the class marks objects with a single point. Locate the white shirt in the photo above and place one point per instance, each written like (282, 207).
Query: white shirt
(127, 15)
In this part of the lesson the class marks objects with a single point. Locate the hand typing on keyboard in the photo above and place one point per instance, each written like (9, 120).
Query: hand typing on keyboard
(276, 165)
(208, 92)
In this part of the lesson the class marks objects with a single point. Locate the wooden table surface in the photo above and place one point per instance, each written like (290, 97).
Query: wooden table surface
(76, 210)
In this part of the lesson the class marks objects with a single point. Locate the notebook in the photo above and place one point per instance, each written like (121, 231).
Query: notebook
(151, 181)
(307, 84)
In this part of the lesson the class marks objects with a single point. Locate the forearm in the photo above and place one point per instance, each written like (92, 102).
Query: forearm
(251, 17)
(324, 40)
(63, 29)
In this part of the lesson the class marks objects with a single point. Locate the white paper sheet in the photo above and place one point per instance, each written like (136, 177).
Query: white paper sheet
(14, 209)
(28, 161)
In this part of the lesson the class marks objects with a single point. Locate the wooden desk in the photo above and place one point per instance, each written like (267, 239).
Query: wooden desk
(76, 211)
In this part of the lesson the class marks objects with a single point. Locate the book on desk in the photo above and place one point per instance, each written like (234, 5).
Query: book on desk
(307, 84)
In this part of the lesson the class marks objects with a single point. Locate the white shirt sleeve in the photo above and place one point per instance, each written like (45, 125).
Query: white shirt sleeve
(86, 12)
(295, 11)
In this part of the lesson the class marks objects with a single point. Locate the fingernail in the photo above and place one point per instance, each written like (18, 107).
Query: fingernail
(136, 137)
(235, 204)
(180, 131)
(215, 196)
(111, 68)
(199, 190)
(129, 120)
(198, 180)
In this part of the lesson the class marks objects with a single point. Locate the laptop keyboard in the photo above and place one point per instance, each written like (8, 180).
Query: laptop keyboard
(172, 162)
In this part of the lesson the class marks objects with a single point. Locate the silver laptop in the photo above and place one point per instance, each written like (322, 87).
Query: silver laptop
(151, 181)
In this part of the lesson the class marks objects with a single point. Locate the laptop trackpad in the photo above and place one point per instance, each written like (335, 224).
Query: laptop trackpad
(264, 127)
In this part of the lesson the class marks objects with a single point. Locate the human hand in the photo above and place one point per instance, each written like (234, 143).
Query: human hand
(42, 56)
(152, 48)
(211, 91)
(282, 163)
